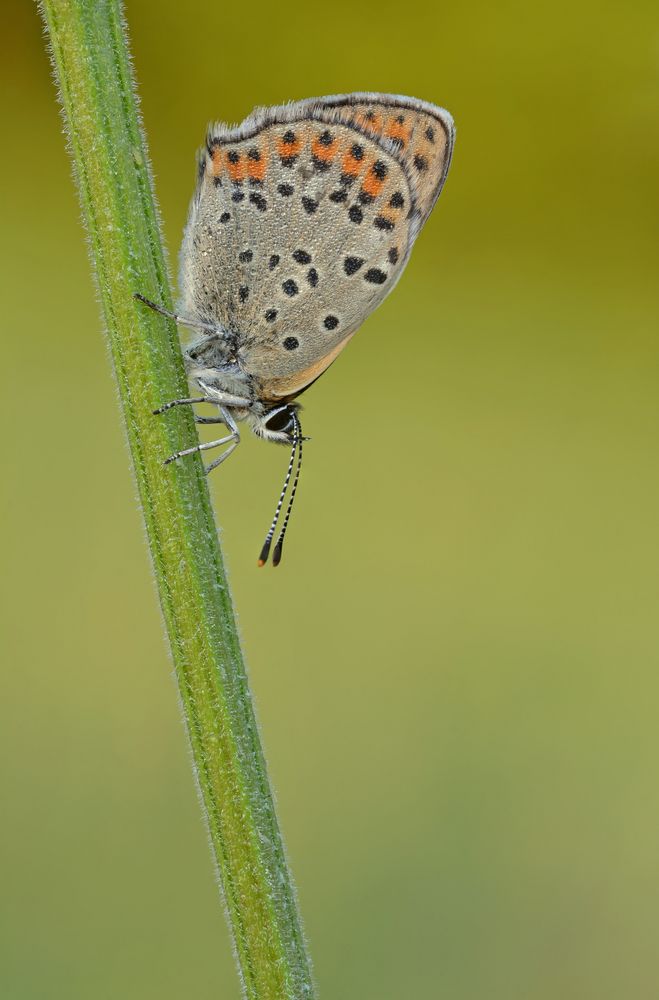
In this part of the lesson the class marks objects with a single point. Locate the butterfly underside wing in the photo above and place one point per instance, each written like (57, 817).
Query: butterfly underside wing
(303, 220)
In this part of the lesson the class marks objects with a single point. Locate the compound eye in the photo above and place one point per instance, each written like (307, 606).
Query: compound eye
(281, 421)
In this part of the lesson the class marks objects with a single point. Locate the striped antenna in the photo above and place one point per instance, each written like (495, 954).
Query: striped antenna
(263, 558)
(276, 555)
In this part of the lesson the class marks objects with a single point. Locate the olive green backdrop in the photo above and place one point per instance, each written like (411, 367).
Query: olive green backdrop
(456, 665)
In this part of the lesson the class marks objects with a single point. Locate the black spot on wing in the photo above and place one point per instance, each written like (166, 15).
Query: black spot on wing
(352, 264)
(375, 276)
(258, 200)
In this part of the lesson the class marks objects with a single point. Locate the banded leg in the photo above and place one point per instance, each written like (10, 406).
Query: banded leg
(232, 439)
(225, 454)
(208, 420)
(235, 433)
(223, 399)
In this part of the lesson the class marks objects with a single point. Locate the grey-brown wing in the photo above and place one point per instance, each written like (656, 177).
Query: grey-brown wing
(301, 225)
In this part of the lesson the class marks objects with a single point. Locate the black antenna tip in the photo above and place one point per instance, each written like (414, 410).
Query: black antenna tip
(276, 555)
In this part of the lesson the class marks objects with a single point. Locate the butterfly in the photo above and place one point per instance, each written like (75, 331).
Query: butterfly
(302, 221)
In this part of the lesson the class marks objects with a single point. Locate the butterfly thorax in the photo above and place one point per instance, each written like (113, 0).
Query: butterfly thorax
(221, 362)
(215, 365)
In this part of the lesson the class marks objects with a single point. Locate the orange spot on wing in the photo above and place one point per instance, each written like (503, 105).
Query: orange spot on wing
(397, 130)
(289, 148)
(324, 153)
(236, 166)
(351, 165)
(217, 161)
(372, 185)
(256, 168)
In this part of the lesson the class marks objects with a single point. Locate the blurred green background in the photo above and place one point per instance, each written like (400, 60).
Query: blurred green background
(455, 667)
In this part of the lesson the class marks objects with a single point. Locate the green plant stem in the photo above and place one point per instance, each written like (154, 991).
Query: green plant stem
(93, 70)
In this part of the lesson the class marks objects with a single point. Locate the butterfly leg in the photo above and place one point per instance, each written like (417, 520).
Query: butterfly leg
(181, 402)
(208, 420)
(235, 437)
(224, 400)
(225, 454)
(232, 439)
(199, 447)
(222, 404)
